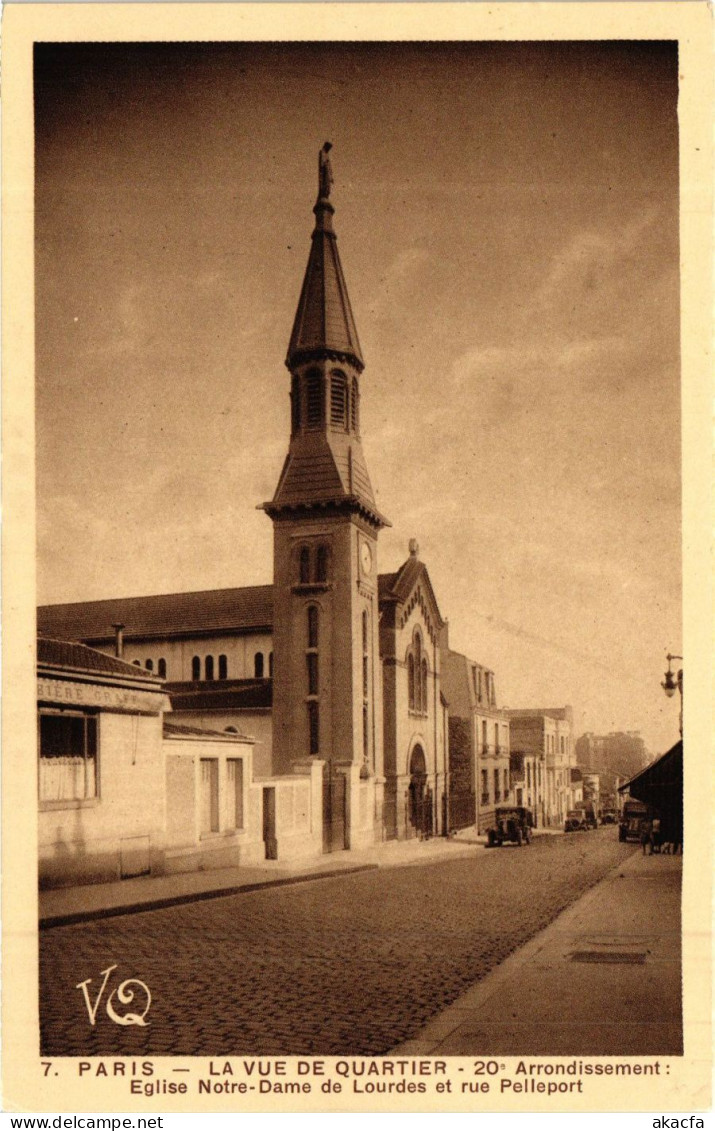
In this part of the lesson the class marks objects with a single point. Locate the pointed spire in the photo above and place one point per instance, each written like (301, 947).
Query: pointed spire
(324, 322)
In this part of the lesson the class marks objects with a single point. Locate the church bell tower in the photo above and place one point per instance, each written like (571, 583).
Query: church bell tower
(327, 685)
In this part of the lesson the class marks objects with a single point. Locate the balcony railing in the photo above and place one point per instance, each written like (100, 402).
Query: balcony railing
(489, 750)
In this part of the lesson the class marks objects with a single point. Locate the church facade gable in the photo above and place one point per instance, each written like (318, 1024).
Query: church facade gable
(415, 728)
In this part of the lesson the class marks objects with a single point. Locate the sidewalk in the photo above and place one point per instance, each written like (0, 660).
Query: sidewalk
(61, 906)
(604, 979)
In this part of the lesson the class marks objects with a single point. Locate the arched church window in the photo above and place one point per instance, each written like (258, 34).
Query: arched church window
(209, 667)
(354, 407)
(258, 665)
(312, 666)
(161, 668)
(312, 627)
(365, 733)
(423, 684)
(149, 665)
(418, 671)
(321, 563)
(222, 667)
(313, 727)
(312, 673)
(411, 681)
(338, 399)
(295, 403)
(313, 398)
(304, 567)
(195, 668)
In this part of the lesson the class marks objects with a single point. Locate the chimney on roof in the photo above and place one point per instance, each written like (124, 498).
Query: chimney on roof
(118, 640)
(414, 548)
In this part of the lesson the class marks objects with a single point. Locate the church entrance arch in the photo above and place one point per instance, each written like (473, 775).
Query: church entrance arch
(419, 796)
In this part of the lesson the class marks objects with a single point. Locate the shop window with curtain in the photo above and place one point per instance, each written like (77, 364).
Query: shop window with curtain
(68, 757)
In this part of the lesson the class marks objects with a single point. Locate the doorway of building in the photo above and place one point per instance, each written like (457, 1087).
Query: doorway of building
(209, 796)
(269, 823)
(334, 810)
(419, 796)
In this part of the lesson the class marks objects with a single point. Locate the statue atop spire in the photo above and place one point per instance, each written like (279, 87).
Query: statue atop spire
(325, 172)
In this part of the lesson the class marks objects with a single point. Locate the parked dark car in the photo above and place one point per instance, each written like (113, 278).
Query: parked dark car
(511, 822)
(609, 816)
(576, 821)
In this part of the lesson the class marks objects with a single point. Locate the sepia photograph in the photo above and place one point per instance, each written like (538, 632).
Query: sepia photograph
(358, 457)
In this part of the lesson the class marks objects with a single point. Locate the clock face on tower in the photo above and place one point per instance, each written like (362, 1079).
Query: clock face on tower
(365, 558)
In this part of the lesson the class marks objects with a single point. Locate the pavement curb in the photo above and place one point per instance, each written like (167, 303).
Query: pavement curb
(69, 919)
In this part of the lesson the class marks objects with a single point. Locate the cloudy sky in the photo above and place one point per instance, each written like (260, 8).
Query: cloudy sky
(508, 225)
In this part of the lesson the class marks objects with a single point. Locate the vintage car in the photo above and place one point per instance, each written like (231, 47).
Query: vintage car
(609, 816)
(511, 822)
(576, 821)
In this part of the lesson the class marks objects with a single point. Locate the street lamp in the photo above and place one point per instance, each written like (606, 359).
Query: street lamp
(671, 683)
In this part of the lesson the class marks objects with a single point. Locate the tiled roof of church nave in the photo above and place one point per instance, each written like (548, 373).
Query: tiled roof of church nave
(248, 609)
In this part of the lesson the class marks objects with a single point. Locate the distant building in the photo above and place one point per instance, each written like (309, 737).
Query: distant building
(528, 779)
(615, 758)
(478, 741)
(621, 752)
(543, 738)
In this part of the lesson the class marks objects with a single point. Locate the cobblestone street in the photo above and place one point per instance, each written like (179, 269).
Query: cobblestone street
(354, 964)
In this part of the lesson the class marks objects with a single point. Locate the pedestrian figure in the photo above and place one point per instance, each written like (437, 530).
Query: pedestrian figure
(655, 836)
(645, 834)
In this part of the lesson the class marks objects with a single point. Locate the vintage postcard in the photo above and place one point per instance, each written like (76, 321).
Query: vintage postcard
(357, 400)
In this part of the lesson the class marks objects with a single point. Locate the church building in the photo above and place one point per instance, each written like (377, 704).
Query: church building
(335, 664)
